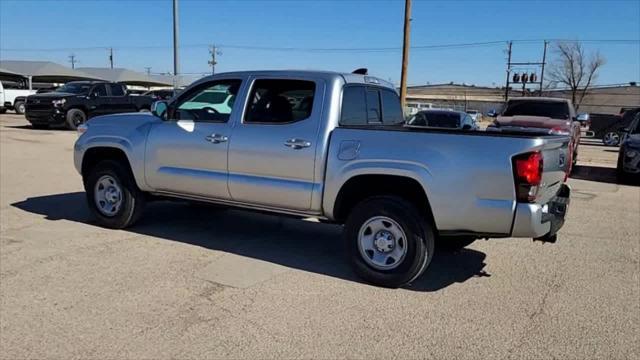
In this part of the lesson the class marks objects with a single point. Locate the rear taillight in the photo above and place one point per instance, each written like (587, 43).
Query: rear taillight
(528, 176)
(559, 131)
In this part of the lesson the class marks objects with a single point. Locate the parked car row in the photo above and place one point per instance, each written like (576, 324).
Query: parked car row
(445, 119)
(335, 147)
(75, 102)
(609, 128)
(629, 154)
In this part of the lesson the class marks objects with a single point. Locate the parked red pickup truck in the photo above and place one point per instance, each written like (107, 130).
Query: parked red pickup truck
(553, 116)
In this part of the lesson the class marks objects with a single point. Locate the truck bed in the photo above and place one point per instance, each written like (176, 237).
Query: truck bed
(468, 175)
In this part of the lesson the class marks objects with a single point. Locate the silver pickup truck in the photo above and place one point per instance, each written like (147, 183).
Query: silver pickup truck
(331, 146)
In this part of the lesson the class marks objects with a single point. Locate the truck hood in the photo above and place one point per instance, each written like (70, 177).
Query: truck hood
(125, 120)
(532, 121)
(54, 95)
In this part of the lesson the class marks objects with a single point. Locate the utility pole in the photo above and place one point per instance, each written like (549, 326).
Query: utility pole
(175, 44)
(72, 60)
(111, 57)
(405, 53)
(213, 50)
(506, 90)
(544, 61)
(148, 70)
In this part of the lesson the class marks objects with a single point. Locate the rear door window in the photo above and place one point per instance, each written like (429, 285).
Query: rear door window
(116, 90)
(280, 101)
(99, 90)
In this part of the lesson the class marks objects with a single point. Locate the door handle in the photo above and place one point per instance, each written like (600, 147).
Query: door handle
(297, 143)
(216, 138)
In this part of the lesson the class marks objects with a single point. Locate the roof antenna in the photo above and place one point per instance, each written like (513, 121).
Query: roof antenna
(361, 71)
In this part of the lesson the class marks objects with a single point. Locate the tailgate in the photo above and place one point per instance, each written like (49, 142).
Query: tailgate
(556, 164)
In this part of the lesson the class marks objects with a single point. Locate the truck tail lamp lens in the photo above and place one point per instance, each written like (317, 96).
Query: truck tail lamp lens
(81, 129)
(559, 131)
(528, 175)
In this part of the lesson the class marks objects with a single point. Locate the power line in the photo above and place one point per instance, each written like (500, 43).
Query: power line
(344, 49)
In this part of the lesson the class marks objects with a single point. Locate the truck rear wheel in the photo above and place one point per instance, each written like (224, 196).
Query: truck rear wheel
(75, 117)
(18, 107)
(112, 195)
(390, 244)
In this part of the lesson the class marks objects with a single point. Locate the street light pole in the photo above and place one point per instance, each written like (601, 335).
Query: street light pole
(175, 43)
(544, 61)
(405, 53)
(506, 88)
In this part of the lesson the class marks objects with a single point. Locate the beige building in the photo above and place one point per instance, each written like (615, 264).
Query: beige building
(605, 100)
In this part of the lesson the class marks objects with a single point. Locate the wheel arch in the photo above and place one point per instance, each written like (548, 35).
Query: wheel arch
(95, 154)
(362, 186)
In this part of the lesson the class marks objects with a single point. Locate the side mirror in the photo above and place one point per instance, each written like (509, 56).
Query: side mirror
(582, 117)
(159, 109)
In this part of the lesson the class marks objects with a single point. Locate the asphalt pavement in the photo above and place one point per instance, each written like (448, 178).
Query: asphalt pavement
(199, 282)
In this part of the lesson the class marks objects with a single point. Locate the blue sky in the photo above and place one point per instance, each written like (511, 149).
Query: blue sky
(131, 26)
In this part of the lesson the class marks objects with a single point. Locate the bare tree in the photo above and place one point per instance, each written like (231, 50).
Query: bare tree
(574, 69)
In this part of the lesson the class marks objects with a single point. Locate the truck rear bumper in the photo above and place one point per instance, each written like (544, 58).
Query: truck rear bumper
(542, 221)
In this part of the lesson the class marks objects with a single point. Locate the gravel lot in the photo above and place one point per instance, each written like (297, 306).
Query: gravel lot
(196, 282)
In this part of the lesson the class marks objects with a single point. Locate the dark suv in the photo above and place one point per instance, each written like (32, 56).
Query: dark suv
(629, 154)
(75, 102)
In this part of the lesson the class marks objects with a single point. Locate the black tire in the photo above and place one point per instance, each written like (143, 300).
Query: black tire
(18, 107)
(3, 110)
(419, 240)
(75, 117)
(454, 243)
(621, 176)
(133, 200)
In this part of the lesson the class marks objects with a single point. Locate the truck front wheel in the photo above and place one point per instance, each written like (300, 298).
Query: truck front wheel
(390, 243)
(75, 117)
(112, 195)
(18, 107)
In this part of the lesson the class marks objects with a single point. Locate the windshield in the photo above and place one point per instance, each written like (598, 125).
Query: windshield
(552, 109)
(74, 88)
